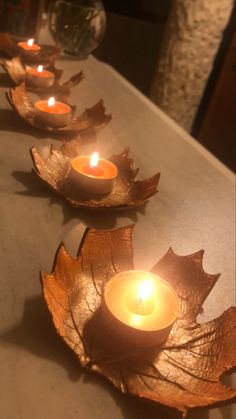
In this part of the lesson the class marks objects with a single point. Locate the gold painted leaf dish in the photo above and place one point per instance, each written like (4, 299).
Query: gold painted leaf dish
(126, 193)
(93, 118)
(17, 71)
(185, 371)
(47, 55)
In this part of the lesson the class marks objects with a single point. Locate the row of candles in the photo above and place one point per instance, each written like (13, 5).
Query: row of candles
(137, 307)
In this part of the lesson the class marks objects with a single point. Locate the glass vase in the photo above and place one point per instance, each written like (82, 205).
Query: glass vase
(77, 26)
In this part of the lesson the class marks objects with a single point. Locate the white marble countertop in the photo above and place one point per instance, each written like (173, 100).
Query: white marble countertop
(194, 209)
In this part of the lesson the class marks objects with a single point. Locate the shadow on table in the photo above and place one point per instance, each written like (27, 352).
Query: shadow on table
(134, 408)
(12, 122)
(36, 334)
(5, 81)
(229, 379)
(35, 188)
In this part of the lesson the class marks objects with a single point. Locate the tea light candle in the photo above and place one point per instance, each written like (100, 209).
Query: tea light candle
(29, 48)
(93, 174)
(53, 113)
(139, 308)
(39, 77)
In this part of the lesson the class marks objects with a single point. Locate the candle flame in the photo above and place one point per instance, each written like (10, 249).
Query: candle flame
(40, 69)
(94, 159)
(136, 320)
(144, 291)
(51, 101)
(30, 42)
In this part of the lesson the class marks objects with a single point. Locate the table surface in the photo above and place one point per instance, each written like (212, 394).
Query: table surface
(40, 377)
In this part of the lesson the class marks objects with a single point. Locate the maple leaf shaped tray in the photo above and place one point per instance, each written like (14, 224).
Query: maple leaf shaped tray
(92, 119)
(54, 169)
(47, 54)
(185, 371)
(17, 71)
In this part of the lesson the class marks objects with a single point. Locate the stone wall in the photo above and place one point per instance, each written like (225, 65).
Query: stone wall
(193, 35)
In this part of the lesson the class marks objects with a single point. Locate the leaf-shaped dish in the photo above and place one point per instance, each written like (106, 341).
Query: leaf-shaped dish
(47, 54)
(185, 372)
(126, 192)
(16, 69)
(92, 119)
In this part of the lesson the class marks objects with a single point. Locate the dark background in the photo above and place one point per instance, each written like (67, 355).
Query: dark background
(132, 43)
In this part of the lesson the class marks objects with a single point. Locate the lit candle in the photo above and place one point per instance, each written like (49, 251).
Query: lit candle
(139, 308)
(52, 113)
(29, 48)
(40, 77)
(93, 174)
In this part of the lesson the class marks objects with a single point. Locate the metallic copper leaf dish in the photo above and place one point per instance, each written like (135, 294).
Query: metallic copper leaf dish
(16, 69)
(126, 193)
(47, 55)
(92, 119)
(185, 371)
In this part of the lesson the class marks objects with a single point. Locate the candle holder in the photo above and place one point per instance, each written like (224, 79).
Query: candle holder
(28, 50)
(130, 311)
(126, 192)
(92, 119)
(17, 71)
(39, 77)
(52, 113)
(98, 179)
(46, 56)
(183, 372)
